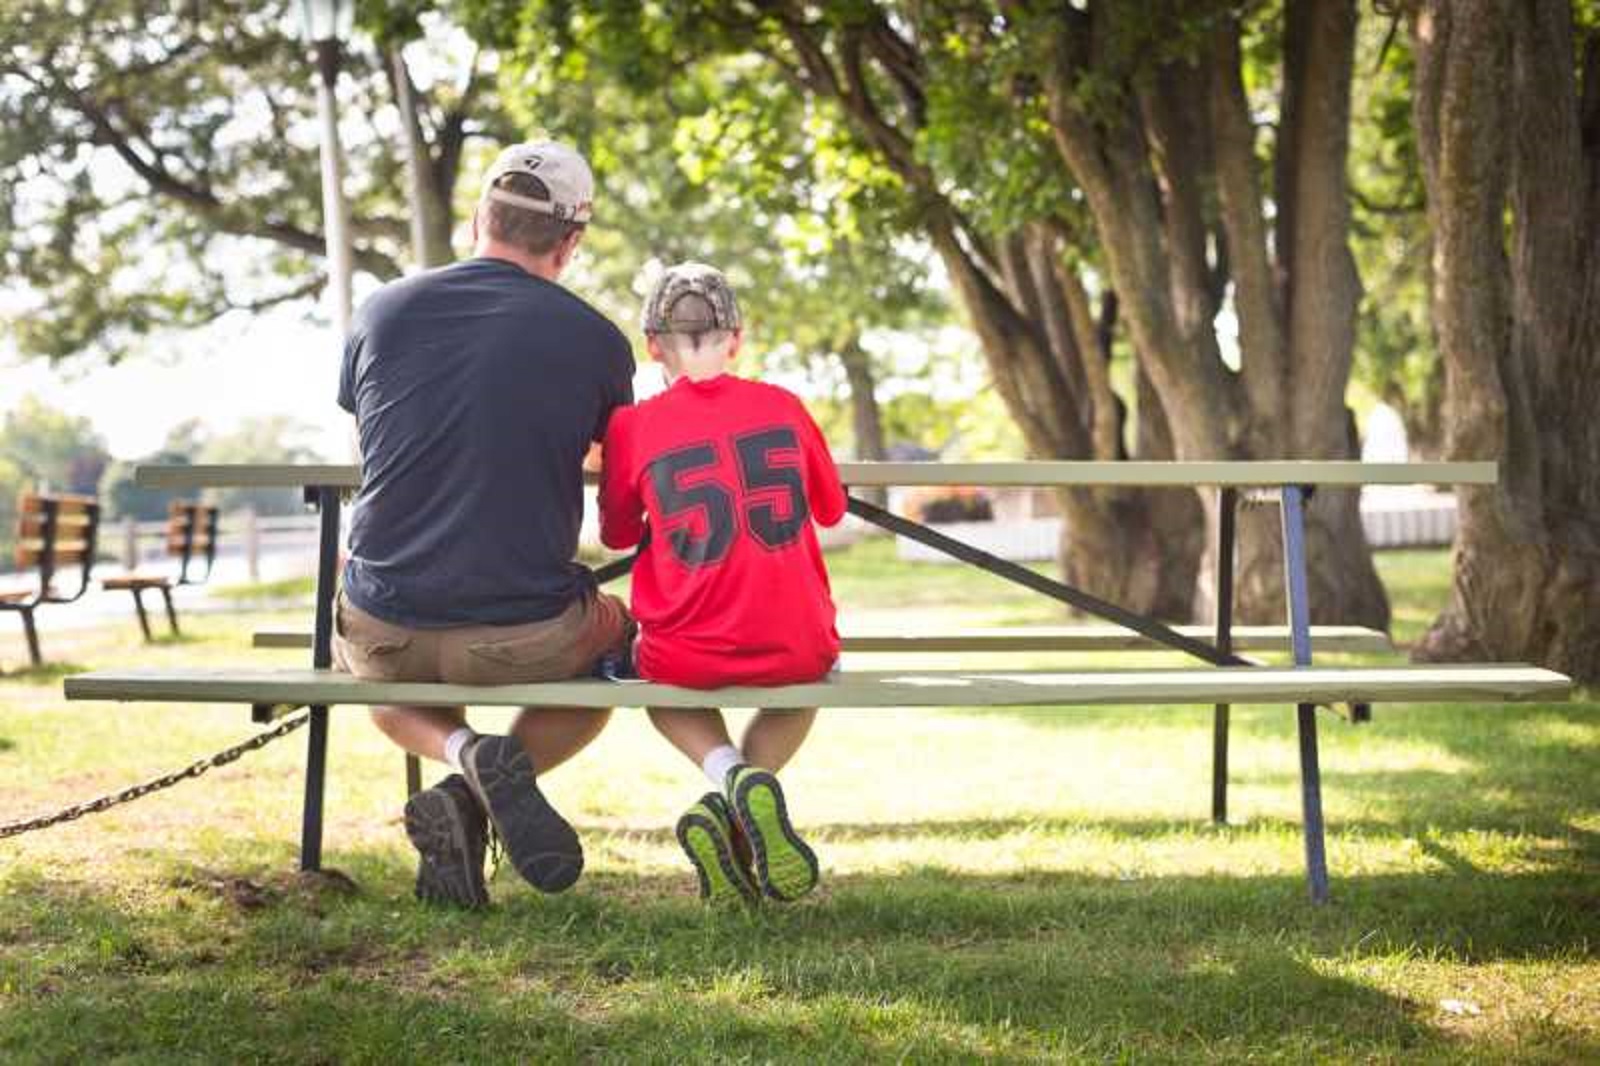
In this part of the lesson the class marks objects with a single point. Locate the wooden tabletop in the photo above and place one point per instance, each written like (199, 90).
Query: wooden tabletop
(1037, 474)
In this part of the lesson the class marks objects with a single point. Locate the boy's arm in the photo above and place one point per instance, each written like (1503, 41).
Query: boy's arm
(825, 491)
(621, 507)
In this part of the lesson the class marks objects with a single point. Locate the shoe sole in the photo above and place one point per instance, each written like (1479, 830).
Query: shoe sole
(449, 871)
(709, 851)
(786, 867)
(540, 843)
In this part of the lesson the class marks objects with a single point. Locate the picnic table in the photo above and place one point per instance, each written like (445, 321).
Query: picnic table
(1228, 677)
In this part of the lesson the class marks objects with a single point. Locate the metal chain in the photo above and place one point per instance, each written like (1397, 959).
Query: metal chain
(128, 795)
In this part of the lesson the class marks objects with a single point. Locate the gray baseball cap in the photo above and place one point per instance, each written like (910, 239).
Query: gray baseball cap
(666, 310)
(564, 172)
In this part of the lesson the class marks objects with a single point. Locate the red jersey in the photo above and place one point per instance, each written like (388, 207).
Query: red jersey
(729, 587)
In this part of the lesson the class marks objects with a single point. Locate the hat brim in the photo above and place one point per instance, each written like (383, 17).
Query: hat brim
(580, 215)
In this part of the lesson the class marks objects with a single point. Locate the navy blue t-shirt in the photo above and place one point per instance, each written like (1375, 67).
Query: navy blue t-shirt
(477, 389)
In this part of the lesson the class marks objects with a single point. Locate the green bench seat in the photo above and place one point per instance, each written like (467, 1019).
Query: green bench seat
(872, 688)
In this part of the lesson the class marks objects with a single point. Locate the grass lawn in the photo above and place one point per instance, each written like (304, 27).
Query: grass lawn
(1019, 885)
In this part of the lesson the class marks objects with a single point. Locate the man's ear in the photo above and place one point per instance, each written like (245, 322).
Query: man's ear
(475, 212)
(567, 248)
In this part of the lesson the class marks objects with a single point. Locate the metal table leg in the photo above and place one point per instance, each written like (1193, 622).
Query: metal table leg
(327, 499)
(1227, 502)
(1294, 567)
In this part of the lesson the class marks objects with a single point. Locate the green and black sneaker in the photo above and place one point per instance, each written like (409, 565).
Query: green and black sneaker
(785, 865)
(706, 833)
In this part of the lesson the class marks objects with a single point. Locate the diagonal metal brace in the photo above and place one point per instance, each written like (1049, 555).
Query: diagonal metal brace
(614, 569)
(1021, 575)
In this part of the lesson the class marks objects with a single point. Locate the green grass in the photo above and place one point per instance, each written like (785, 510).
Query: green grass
(1023, 885)
(289, 588)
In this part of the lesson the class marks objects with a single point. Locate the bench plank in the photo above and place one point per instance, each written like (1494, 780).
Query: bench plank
(141, 581)
(1037, 474)
(889, 688)
(1032, 638)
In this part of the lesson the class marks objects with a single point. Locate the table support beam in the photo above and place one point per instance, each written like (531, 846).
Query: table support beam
(1056, 590)
(1295, 593)
(327, 500)
(1227, 504)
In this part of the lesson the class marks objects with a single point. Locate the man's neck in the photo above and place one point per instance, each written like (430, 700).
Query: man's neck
(540, 266)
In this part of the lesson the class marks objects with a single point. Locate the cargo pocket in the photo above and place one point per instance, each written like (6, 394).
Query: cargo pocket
(369, 649)
(527, 657)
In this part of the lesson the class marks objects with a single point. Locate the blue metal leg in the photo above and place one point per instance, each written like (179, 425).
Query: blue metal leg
(321, 658)
(1294, 584)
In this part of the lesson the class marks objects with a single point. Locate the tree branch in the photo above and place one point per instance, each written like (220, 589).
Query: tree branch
(236, 220)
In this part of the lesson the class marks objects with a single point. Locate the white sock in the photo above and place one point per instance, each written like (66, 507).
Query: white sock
(455, 743)
(719, 761)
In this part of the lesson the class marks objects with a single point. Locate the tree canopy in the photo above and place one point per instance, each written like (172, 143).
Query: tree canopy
(159, 168)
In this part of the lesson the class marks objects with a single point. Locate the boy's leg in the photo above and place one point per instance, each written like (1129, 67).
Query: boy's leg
(785, 866)
(773, 736)
(706, 830)
(695, 731)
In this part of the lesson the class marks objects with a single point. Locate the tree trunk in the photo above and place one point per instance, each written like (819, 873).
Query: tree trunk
(866, 419)
(1024, 303)
(1147, 164)
(1501, 128)
(430, 234)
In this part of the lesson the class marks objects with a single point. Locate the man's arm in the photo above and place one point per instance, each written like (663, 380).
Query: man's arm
(347, 390)
(621, 506)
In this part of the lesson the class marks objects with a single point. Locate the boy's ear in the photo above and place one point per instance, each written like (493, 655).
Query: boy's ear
(738, 342)
(653, 346)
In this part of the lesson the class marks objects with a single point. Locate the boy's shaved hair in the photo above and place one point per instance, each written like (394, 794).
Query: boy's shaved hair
(689, 310)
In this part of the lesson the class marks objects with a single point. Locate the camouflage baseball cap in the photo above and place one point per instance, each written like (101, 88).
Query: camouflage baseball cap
(667, 310)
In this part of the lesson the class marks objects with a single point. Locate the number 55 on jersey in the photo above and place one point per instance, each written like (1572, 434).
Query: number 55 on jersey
(727, 475)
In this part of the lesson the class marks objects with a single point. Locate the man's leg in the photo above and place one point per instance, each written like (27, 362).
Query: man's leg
(552, 735)
(421, 731)
(444, 823)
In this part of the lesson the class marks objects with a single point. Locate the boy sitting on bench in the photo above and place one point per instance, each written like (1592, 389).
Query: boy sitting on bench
(719, 478)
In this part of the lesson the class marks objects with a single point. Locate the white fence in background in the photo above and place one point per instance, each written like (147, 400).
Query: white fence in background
(1395, 517)
(264, 546)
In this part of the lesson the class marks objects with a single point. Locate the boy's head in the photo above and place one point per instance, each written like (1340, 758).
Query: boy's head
(691, 321)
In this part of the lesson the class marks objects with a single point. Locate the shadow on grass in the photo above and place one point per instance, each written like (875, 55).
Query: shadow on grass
(929, 963)
(46, 673)
(1509, 766)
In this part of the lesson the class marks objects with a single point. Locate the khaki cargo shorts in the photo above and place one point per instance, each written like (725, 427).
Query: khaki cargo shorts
(568, 645)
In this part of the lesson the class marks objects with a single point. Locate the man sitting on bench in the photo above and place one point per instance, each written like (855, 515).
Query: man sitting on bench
(730, 588)
(478, 388)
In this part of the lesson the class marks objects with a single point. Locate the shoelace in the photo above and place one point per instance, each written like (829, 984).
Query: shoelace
(497, 852)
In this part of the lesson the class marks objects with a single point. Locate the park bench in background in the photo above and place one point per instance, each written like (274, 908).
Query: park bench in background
(192, 539)
(53, 531)
(1227, 677)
